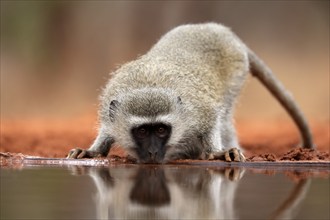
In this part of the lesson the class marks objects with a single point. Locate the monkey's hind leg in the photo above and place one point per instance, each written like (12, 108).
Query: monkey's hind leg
(100, 148)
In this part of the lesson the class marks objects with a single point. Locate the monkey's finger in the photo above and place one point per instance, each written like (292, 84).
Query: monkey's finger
(83, 154)
(236, 155)
(227, 156)
(88, 154)
(73, 154)
(242, 157)
(70, 154)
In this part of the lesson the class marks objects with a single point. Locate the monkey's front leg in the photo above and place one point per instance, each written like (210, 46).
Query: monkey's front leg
(233, 154)
(100, 148)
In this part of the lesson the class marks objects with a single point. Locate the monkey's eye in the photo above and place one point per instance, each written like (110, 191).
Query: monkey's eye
(141, 132)
(161, 131)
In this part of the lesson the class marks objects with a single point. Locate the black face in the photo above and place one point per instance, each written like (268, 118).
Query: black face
(151, 141)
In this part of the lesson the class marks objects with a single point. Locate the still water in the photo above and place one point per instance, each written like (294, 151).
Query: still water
(163, 192)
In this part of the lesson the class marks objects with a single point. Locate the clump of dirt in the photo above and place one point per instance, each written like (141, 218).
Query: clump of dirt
(11, 159)
(262, 157)
(298, 154)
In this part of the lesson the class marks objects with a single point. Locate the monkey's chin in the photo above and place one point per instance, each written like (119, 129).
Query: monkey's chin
(144, 159)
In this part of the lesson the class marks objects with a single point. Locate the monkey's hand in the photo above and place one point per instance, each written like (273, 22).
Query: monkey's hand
(78, 153)
(233, 154)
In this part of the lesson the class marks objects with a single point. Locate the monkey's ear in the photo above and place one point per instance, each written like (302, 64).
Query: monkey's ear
(179, 101)
(112, 109)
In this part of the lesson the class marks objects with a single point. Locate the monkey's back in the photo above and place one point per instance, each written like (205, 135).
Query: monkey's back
(205, 64)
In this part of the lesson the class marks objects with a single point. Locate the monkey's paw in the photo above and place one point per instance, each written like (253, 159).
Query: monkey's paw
(78, 153)
(233, 154)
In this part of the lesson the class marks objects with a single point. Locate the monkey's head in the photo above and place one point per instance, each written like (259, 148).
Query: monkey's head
(147, 123)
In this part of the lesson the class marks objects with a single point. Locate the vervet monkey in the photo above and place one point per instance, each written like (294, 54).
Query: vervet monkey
(177, 100)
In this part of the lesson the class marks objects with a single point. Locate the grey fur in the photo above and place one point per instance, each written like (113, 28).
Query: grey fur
(189, 79)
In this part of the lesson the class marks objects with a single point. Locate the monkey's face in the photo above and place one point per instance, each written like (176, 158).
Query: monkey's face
(150, 141)
(146, 122)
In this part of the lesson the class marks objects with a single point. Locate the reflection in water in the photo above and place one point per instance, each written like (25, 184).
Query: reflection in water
(165, 192)
(289, 207)
(150, 188)
(150, 192)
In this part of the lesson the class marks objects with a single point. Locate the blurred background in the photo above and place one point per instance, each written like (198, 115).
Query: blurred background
(56, 55)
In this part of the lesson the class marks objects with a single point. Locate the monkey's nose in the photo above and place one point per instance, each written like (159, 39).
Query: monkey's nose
(152, 154)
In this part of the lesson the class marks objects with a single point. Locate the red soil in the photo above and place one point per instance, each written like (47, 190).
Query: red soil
(262, 141)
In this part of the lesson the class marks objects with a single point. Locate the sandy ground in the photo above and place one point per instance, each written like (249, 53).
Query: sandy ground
(261, 141)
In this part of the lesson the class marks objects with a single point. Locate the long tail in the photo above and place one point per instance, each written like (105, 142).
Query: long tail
(268, 79)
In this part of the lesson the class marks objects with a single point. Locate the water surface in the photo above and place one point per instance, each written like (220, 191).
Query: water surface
(164, 192)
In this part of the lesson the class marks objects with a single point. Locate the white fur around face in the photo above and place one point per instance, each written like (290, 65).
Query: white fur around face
(137, 120)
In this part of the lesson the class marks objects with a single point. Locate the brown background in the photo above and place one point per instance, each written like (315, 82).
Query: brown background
(55, 57)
